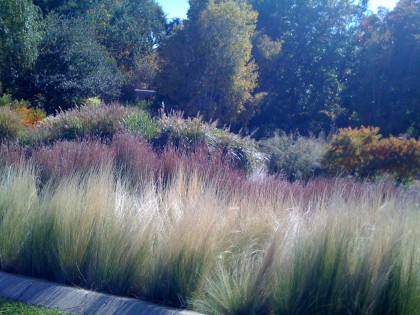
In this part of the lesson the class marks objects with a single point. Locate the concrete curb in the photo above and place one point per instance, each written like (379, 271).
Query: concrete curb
(75, 300)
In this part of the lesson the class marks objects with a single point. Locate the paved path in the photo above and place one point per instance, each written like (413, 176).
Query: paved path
(75, 300)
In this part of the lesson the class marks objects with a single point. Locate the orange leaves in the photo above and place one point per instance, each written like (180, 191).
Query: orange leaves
(30, 116)
(363, 153)
(399, 157)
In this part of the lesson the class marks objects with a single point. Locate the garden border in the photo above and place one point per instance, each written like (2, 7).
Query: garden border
(76, 300)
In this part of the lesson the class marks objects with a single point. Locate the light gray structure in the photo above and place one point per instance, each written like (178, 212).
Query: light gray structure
(76, 300)
(144, 94)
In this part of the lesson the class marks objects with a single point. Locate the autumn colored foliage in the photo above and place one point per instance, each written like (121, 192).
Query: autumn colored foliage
(364, 153)
(30, 116)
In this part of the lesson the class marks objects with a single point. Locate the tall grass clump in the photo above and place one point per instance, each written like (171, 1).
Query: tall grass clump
(329, 246)
(294, 156)
(11, 128)
(141, 123)
(186, 134)
(19, 203)
(99, 122)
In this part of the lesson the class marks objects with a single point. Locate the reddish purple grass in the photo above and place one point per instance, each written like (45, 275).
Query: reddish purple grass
(64, 158)
(11, 154)
(136, 160)
(130, 155)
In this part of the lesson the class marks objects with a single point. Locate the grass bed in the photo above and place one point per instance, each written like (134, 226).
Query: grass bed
(331, 246)
(16, 308)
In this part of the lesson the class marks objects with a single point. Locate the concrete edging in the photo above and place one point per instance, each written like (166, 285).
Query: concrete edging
(75, 300)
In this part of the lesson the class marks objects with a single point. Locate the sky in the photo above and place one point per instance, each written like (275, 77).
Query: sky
(174, 8)
(179, 8)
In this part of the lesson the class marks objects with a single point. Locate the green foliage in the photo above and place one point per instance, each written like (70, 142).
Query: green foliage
(130, 30)
(363, 153)
(15, 308)
(241, 151)
(305, 79)
(238, 285)
(140, 123)
(383, 85)
(92, 101)
(5, 99)
(20, 35)
(207, 66)
(64, 7)
(73, 66)
(294, 156)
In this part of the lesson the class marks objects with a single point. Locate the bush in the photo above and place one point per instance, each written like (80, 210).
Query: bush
(398, 157)
(30, 116)
(5, 99)
(294, 156)
(362, 153)
(134, 157)
(72, 65)
(331, 246)
(345, 153)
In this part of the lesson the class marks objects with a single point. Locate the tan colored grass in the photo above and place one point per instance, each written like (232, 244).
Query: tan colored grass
(330, 247)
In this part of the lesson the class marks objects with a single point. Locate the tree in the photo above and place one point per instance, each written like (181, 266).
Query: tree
(207, 66)
(20, 34)
(384, 90)
(64, 7)
(304, 80)
(130, 30)
(72, 65)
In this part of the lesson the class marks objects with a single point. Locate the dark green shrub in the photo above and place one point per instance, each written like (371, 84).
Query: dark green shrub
(72, 66)
(294, 156)
(5, 99)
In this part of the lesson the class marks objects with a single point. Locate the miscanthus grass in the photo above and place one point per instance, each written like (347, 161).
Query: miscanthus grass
(331, 246)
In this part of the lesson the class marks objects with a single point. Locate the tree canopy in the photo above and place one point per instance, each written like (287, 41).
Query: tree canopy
(211, 57)
(73, 66)
(130, 30)
(264, 65)
(20, 35)
(305, 80)
(384, 90)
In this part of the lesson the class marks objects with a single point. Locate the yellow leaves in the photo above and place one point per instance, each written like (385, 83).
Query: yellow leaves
(268, 47)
